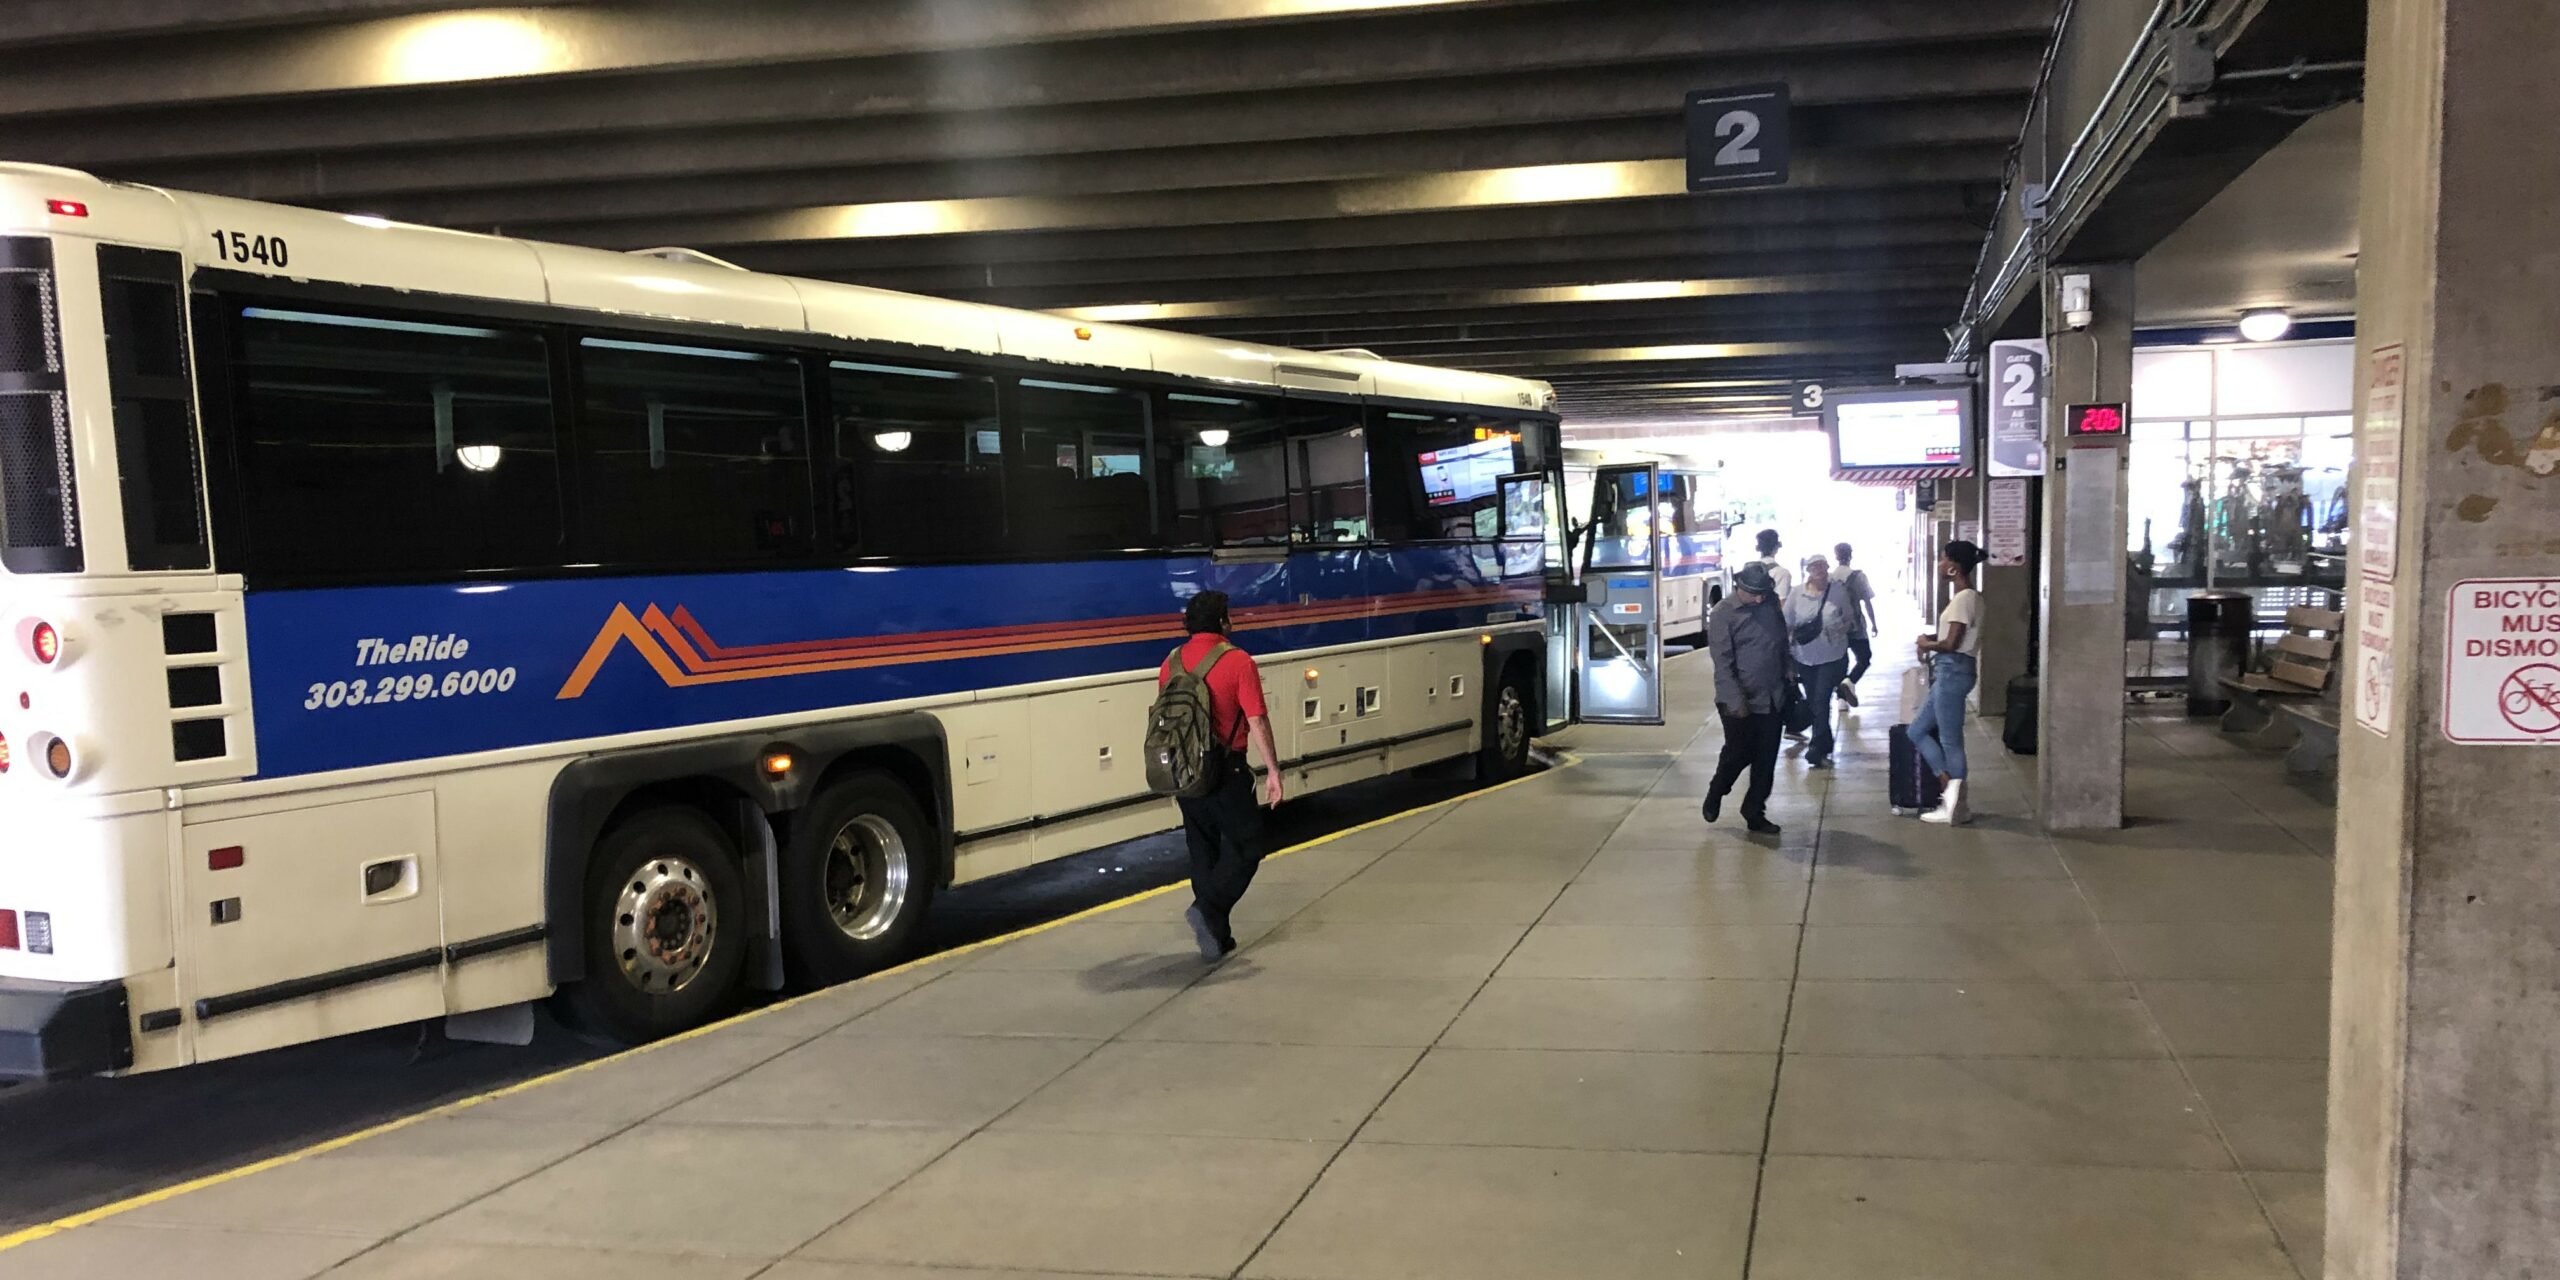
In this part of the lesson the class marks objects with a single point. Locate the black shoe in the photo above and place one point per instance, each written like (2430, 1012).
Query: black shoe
(1762, 826)
(1212, 947)
(1713, 808)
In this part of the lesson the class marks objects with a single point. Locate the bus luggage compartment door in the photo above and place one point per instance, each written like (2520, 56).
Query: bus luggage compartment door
(310, 922)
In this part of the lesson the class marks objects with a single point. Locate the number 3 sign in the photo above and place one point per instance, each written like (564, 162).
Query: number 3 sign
(1737, 137)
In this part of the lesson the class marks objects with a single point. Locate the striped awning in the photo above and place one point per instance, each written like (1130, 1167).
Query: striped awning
(1896, 477)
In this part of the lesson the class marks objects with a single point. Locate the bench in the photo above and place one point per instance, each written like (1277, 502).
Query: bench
(2299, 668)
(2292, 706)
(2315, 744)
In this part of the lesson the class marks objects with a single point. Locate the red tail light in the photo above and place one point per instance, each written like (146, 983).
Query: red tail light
(4, 753)
(8, 930)
(45, 643)
(66, 208)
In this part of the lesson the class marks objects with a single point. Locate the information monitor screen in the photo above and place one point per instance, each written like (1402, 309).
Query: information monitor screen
(1915, 428)
(1466, 473)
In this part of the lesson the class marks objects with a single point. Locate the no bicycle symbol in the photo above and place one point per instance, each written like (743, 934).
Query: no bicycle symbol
(2529, 699)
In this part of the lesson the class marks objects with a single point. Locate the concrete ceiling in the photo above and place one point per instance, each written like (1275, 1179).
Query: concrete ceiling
(1494, 184)
(2283, 234)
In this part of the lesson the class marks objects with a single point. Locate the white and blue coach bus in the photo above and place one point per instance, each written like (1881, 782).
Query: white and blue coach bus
(402, 623)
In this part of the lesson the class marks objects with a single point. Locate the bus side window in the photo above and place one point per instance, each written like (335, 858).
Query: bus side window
(1440, 473)
(1328, 473)
(1080, 479)
(919, 458)
(370, 444)
(1226, 458)
(691, 455)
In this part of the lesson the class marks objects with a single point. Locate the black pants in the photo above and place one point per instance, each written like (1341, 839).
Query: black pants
(1749, 742)
(1224, 829)
(1863, 651)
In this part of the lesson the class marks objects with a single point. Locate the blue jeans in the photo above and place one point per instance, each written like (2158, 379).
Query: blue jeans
(1819, 683)
(1937, 733)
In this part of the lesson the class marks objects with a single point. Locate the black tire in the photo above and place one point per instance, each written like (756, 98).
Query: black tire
(857, 876)
(1510, 722)
(670, 875)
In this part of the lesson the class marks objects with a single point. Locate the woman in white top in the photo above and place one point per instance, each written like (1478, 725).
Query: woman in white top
(1818, 617)
(1937, 733)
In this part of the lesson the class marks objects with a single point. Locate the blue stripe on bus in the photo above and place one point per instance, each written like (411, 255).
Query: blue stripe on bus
(348, 677)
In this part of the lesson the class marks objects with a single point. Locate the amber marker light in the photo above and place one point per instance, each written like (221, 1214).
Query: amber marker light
(777, 763)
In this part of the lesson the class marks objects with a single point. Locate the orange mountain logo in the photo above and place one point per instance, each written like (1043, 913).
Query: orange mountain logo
(683, 654)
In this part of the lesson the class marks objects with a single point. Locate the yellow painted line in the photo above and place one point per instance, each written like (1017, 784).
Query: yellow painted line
(29, 1235)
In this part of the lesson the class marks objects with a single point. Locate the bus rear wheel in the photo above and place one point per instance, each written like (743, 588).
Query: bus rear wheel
(856, 878)
(1509, 725)
(666, 927)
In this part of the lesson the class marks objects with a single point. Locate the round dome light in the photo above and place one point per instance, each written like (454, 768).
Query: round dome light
(2265, 324)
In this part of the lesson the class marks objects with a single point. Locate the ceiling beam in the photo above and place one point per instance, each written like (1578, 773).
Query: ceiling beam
(47, 24)
(463, 45)
(1594, 257)
(1284, 202)
(823, 62)
(1427, 231)
(1992, 79)
(1694, 275)
(1364, 328)
(1981, 125)
(1906, 312)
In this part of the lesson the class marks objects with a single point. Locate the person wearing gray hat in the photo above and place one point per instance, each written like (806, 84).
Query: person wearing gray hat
(1748, 638)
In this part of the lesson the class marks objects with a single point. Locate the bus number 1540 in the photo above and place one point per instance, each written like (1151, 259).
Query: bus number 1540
(236, 246)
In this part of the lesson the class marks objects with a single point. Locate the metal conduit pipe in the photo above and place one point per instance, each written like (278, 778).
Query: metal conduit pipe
(2070, 182)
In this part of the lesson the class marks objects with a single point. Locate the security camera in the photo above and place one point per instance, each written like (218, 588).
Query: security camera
(2076, 311)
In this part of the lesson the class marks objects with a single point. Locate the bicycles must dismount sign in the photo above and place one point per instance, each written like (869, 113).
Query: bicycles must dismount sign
(2502, 662)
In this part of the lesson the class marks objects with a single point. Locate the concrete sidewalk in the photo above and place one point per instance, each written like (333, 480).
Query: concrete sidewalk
(1558, 1030)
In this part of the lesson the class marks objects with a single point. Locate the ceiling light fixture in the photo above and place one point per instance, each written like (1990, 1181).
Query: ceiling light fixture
(2265, 324)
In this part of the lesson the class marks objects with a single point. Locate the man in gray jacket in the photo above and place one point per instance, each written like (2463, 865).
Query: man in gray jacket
(1748, 637)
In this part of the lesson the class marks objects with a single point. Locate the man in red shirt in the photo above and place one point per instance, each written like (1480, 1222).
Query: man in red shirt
(1224, 827)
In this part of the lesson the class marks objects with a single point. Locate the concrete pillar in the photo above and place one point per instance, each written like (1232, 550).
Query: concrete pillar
(2080, 747)
(2444, 1079)
(2008, 618)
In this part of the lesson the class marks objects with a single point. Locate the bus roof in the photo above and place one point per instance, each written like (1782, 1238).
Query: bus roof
(310, 245)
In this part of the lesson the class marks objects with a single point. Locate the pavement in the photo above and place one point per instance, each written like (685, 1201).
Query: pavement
(1557, 1029)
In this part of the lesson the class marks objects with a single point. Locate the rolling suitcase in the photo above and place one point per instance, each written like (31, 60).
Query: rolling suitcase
(1913, 788)
(2018, 723)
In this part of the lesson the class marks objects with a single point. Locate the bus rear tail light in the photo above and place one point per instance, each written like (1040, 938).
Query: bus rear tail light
(42, 642)
(4, 753)
(66, 208)
(36, 938)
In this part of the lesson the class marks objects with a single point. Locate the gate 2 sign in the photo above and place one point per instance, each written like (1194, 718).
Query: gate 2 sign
(2502, 662)
(1737, 137)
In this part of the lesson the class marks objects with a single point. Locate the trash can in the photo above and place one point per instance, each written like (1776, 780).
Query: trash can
(2218, 625)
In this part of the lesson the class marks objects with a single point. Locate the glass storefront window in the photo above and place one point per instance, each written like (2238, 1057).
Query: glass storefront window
(2238, 466)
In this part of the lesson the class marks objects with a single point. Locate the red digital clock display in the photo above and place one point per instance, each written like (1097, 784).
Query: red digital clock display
(2100, 420)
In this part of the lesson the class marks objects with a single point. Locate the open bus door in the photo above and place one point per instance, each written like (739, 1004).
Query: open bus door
(1618, 644)
(1533, 525)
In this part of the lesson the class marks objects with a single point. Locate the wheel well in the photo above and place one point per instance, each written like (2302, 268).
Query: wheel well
(725, 805)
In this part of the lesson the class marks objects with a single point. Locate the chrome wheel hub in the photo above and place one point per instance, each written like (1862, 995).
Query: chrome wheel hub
(664, 925)
(1511, 724)
(868, 873)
